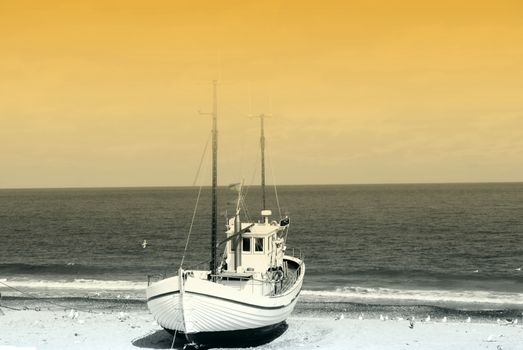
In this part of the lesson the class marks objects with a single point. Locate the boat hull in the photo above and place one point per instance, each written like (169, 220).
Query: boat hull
(240, 338)
(205, 311)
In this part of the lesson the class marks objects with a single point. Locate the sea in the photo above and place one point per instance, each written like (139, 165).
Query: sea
(366, 247)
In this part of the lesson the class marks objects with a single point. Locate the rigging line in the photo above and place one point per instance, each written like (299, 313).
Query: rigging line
(42, 299)
(244, 207)
(197, 200)
(246, 211)
(194, 266)
(174, 338)
(192, 224)
(201, 160)
(274, 181)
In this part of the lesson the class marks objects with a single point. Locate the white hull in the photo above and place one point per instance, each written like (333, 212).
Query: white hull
(202, 306)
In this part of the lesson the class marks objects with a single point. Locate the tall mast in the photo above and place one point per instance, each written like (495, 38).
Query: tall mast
(262, 146)
(214, 201)
(214, 220)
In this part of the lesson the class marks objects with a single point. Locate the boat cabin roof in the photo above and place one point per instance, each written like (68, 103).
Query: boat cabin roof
(258, 229)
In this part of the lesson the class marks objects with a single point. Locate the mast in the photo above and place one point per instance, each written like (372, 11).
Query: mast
(214, 200)
(214, 219)
(262, 146)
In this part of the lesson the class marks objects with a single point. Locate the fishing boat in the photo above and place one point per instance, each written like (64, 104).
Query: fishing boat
(245, 296)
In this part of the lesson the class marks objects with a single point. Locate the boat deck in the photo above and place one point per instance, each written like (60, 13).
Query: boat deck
(292, 274)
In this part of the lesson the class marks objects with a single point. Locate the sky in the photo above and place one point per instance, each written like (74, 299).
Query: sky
(108, 93)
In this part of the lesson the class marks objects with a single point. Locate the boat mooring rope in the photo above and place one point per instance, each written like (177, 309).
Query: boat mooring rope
(174, 338)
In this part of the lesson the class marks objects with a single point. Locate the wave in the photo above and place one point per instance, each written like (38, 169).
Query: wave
(67, 269)
(416, 296)
(77, 288)
(363, 295)
(383, 272)
(76, 284)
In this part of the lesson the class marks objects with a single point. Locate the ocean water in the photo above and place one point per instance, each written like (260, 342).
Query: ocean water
(445, 245)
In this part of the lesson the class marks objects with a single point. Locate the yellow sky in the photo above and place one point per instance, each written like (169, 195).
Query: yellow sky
(107, 93)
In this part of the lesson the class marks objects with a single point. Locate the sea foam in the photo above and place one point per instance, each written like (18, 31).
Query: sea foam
(414, 296)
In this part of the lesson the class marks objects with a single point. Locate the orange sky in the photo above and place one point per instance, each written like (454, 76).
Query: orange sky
(107, 93)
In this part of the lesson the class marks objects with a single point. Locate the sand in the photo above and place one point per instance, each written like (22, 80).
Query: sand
(132, 327)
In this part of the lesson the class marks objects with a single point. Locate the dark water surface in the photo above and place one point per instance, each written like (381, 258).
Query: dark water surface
(430, 243)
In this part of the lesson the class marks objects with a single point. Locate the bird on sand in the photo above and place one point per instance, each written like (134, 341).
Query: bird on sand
(412, 321)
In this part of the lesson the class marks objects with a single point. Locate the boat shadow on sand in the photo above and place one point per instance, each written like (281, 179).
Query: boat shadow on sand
(164, 340)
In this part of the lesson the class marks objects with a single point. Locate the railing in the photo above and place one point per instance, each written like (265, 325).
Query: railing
(276, 286)
(297, 253)
(253, 281)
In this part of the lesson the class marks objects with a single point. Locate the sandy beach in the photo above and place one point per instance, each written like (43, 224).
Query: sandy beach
(130, 326)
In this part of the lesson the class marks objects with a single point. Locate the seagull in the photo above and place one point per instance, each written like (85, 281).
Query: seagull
(361, 316)
(469, 319)
(498, 321)
(475, 271)
(412, 320)
(518, 269)
(73, 314)
(340, 317)
(144, 244)
(400, 318)
(490, 338)
(516, 321)
(427, 319)
(444, 319)
(382, 318)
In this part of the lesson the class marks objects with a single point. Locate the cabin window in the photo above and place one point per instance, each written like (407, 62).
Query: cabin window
(246, 244)
(258, 244)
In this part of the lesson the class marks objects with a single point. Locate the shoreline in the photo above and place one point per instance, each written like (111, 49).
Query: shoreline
(304, 307)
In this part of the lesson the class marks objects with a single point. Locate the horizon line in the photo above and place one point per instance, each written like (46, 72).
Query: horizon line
(257, 185)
